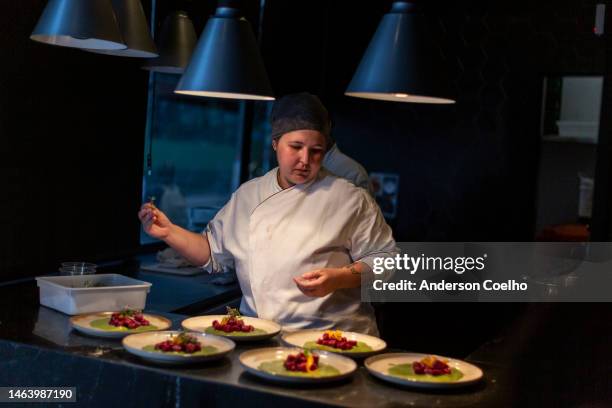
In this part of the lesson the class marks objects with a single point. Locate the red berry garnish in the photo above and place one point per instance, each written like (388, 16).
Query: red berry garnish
(431, 365)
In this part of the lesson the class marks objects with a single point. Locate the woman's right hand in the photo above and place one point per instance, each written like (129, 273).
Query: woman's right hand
(154, 222)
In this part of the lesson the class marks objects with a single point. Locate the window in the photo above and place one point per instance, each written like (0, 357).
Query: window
(261, 158)
(194, 151)
(571, 108)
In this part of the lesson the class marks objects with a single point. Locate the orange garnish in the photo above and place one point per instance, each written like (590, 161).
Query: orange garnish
(429, 361)
(334, 334)
(309, 362)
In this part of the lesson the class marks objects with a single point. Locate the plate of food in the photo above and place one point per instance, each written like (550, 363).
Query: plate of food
(422, 370)
(336, 341)
(177, 347)
(296, 365)
(233, 326)
(118, 324)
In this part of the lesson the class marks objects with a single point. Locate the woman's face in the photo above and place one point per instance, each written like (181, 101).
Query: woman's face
(299, 154)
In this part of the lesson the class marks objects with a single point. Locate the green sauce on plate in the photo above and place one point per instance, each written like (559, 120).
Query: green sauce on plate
(406, 371)
(360, 347)
(256, 332)
(277, 367)
(102, 324)
(206, 350)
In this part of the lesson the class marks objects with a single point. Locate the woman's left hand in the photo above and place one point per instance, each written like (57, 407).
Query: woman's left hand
(318, 283)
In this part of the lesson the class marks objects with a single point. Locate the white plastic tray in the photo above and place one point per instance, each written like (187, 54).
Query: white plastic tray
(82, 294)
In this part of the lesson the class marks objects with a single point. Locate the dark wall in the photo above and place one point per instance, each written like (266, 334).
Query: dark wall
(559, 183)
(71, 146)
(601, 228)
(468, 171)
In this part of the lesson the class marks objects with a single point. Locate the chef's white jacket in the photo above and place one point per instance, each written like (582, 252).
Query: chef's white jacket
(341, 165)
(270, 235)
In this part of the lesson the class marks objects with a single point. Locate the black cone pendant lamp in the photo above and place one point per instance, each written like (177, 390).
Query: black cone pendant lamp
(401, 63)
(88, 24)
(226, 62)
(175, 43)
(134, 30)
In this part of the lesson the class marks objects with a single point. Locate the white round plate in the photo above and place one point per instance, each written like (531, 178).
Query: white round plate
(300, 337)
(201, 323)
(251, 360)
(379, 366)
(135, 344)
(82, 323)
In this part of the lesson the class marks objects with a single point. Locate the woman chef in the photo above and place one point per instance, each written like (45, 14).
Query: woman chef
(298, 237)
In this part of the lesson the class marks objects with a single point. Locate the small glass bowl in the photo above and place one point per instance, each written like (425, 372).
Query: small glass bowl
(79, 265)
(77, 268)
